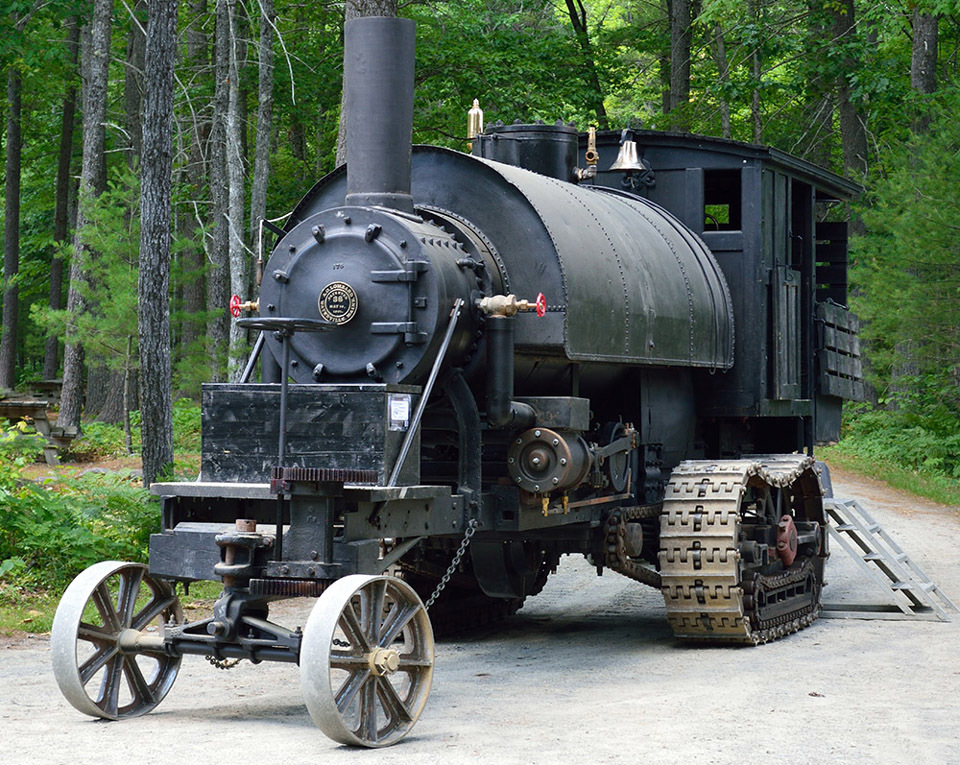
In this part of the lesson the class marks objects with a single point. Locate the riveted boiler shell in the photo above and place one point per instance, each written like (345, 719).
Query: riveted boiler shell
(625, 281)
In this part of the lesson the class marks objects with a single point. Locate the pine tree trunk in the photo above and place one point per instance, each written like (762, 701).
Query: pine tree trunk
(192, 257)
(96, 64)
(723, 74)
(680, 22)
(235, 181)
(127, 399)
(218, 273)
(853, 129)
(61, 213)
(923, 61)
(578, 20)
(261, 165)
(133, 82)
(11, 234)
(663, 59)
(153, 286)
(353, 9)
(104, 400)
(756, 70)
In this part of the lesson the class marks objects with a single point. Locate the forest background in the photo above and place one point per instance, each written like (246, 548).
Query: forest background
(868, 89)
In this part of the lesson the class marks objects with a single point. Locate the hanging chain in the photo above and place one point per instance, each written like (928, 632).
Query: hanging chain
(468, 535)
(223, 663)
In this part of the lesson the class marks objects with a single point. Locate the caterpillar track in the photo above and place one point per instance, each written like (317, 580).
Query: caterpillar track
(709, 591)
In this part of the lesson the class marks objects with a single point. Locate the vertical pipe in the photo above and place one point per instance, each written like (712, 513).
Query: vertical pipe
(282, 449)
(502, 410)
(378, 67)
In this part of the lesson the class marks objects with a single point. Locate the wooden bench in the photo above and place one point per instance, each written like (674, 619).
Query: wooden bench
(15, 409)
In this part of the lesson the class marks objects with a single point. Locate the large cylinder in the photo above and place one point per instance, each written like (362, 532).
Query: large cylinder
(378, 69)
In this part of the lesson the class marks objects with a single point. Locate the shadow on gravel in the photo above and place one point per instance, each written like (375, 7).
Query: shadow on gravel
(238, 710)
(604, 631)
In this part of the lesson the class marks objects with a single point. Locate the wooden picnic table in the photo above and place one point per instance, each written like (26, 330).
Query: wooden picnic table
(48, 390)
(15, 409)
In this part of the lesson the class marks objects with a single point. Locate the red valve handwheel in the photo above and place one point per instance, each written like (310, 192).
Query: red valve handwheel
(235, 306)
(541, 305)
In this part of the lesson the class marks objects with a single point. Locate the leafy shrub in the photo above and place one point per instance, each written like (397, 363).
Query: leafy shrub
(101, 440)
(920, 435)
(18, 446)
(51, 531)
(186, 426)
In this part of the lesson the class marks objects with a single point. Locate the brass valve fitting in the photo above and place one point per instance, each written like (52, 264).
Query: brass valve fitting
(509, 305)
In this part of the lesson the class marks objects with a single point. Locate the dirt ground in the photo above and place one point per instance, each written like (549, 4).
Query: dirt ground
(588, 671)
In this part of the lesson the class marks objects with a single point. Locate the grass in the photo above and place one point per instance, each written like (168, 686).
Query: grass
(33, 611)
(200, 599)
(26, 611)
(913, 446)
(939, 488)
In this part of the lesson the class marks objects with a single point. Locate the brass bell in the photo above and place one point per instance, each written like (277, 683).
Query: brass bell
(628, 160)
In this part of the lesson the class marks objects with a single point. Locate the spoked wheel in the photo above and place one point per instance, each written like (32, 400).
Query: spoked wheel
(366, 661)
(103, 613)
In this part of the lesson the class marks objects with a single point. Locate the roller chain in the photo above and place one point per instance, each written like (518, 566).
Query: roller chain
(616, 549)
(700, 560)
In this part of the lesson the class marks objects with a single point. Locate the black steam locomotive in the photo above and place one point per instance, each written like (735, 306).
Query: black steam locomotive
(421, 431)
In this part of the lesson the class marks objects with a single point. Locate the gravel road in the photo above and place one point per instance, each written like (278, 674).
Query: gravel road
(588, 671)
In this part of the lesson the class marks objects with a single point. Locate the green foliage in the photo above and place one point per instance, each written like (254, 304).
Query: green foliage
(905, 274)
(921, 436)
(521, 61)
(19, 445)
(49, 533)
(52, 529)
(102, 440)
(913, 449)
(186, 426)
(110, 287)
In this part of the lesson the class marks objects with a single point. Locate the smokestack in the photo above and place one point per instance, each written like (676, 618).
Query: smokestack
(378, 63)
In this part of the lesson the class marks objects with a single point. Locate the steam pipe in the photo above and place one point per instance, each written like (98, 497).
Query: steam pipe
(502, 411)
(378, 68)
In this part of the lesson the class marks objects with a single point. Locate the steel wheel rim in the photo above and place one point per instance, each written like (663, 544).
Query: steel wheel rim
(93, 674)
(367, 660)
